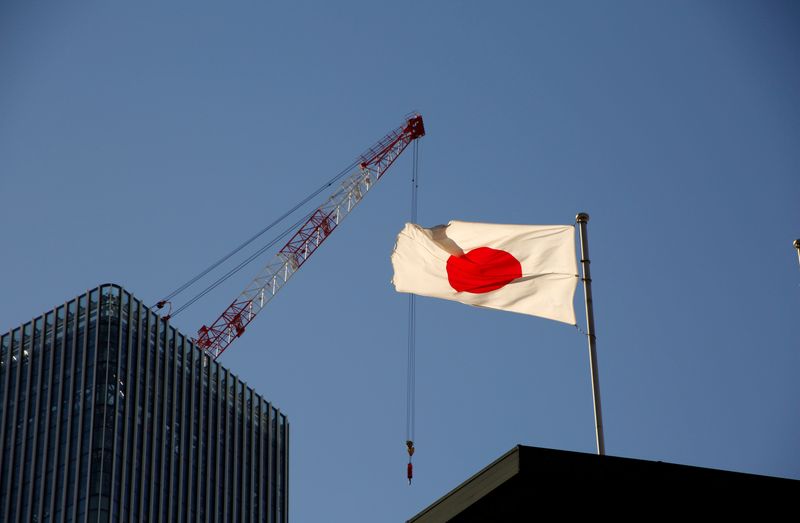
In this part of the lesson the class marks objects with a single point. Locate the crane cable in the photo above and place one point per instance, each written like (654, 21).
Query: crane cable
(292, 210)
(412, 331)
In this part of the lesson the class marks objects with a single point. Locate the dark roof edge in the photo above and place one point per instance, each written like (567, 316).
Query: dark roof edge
(480, 484)
(515, 451)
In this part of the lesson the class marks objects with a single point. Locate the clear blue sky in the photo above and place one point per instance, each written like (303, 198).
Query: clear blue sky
(138, 143)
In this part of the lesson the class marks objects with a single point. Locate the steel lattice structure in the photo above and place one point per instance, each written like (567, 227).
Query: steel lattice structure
(323, 221)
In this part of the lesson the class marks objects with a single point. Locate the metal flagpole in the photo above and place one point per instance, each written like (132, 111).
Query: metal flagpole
(582, 219)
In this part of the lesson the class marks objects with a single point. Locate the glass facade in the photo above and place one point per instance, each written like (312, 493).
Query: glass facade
(107, 413)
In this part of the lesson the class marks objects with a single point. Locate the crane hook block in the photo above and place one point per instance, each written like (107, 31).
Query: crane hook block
(410, 448)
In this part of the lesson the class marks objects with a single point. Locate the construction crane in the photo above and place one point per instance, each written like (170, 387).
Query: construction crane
(374, 163)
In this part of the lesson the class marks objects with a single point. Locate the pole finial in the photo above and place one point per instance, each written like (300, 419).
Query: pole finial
(796, 244)
(582, 217)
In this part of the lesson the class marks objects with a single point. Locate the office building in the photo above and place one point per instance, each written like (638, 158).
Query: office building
(108, 413)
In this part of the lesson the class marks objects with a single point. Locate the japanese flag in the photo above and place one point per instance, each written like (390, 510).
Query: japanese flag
(530, 269)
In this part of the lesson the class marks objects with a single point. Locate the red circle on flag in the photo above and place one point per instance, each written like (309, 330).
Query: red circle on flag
(482, 270)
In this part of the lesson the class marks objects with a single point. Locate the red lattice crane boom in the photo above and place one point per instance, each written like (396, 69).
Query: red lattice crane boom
(323, 221)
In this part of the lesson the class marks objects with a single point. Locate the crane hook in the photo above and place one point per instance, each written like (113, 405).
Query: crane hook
(410, 469)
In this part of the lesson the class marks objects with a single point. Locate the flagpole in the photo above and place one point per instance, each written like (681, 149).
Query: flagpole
(582, 219)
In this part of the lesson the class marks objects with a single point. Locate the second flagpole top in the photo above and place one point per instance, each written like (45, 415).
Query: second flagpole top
(582, 217)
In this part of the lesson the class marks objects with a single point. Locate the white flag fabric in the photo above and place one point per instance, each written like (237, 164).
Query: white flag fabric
(530, 269)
